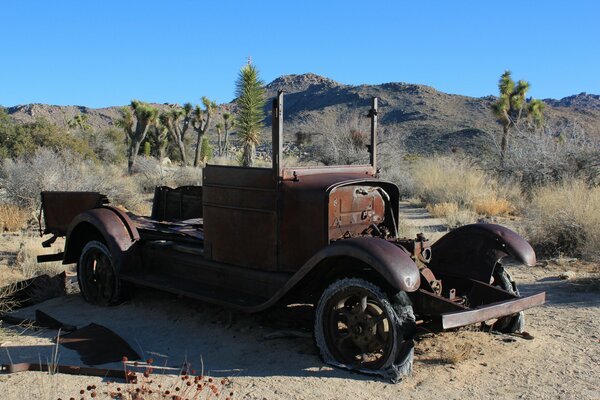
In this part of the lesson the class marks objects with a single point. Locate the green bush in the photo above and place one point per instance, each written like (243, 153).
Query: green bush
(24, 139)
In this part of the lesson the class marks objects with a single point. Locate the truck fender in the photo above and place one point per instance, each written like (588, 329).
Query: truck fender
(109, 224)
(392, 262)
(472, 251)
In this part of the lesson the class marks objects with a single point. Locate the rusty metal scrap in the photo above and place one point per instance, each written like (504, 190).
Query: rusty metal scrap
(128, 376)
(97, 345)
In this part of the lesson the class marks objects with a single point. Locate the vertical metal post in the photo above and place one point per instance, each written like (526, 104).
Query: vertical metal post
(277, 130)
(373, 146)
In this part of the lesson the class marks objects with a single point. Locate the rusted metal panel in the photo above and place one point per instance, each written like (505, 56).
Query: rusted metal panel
(60, 208)
(96, 344)
(70, 370)
(115, 227)
(304, 213)
(182, 203)
(472, 251)
(186, 265)
(353, 209)
(227, 175)
(362, 171)
(240, 216)
(240, 197)
(490, 311)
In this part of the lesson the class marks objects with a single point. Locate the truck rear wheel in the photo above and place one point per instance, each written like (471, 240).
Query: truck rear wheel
(358, 327)
(97, 276)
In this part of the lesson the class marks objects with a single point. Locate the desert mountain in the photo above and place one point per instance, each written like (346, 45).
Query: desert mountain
(430, 119)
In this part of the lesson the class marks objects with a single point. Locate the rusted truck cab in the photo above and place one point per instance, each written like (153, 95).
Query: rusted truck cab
(250, 238)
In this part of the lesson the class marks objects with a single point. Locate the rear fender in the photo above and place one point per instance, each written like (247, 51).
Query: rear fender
(391, 262)
(472, 251)
(108, 224)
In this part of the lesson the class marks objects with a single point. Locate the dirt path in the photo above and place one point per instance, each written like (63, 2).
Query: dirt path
(561, 362)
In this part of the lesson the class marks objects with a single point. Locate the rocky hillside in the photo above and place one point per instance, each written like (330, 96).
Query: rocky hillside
(430, 119)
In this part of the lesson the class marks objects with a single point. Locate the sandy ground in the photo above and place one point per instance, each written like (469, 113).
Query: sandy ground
(561, 362)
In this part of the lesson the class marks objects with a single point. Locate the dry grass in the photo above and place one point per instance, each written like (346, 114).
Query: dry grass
(442, 210)
(13, 218)
(565, 219)
(460, 218)
(492, 206)
(26, 262)
(449, 184)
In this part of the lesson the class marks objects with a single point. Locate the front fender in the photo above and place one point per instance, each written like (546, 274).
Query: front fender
(108, 224)
(472, 251)
(390, 261)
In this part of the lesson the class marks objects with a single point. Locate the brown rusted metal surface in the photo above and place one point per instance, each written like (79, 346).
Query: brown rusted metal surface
(240, 216)
(178, 204)
(70, 370)
(306, 206)
(490, 311)
(114, 227)
(295, 173)
(60, 208)
(97, 345)
(352, 211)
(472, 251)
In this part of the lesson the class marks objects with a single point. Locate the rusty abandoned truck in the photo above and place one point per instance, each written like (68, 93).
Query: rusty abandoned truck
(250, 238)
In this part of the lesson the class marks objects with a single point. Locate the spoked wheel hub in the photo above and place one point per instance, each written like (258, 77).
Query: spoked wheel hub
(358, 329)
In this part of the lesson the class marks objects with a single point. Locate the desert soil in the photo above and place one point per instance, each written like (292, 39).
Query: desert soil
(272, 356)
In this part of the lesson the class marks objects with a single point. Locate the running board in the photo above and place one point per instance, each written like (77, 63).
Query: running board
(195, 290)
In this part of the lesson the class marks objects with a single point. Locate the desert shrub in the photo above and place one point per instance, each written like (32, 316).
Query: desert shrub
(336, 139)
(25, 177)
(13, 218)
(444, 179)
(549, 156)
(564, 219)
(149, 173)
(26, 261)
(108, 145)
(18, 140)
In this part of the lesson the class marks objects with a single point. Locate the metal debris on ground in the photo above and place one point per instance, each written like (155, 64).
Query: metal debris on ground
(97, 345)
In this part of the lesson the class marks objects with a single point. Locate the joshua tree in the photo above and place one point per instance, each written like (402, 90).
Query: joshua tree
(200, 122)
(219, 128)
(177, 122)
(158, 136)
(228, 123)
(79, 121)
(250, 114)
(136, 128)
(512, 104)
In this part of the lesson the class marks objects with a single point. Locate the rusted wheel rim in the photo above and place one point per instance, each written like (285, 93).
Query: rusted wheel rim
(357, 328)
(98, 276)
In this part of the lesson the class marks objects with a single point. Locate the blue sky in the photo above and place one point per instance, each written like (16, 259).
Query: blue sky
(103, 53)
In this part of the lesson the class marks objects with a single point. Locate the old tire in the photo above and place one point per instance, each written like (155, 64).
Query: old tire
(358, 327)
(511, 323)
(97, 276)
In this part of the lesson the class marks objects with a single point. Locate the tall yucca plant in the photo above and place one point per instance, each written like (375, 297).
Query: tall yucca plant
(510, 107)
(250, 111)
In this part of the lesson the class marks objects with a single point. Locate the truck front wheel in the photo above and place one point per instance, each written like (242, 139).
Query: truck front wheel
(97, 277)
(360, 328)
